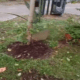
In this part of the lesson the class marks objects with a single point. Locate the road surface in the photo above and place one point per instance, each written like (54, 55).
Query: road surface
(72, 8)
(21, 9)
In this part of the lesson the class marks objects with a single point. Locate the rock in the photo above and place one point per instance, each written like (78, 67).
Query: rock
(43, 35)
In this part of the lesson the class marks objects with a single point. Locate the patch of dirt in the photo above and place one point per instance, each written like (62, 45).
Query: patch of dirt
(35, 50)
(3, 79)
(49, 17)
(20, 20)
(34, 75)
(65, 16)
(61, 44)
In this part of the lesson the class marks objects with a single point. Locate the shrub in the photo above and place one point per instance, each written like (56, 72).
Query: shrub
(74, 30)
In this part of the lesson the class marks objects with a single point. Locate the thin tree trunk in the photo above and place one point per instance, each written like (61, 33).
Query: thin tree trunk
(30, 24)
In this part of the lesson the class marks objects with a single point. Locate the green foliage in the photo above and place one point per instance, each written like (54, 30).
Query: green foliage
(74, 29)
(67, 62)
(70, 20)
(56, 28)
(3, 45)
(12, 32)
(53, 43)
(65, 65)
(73, 1)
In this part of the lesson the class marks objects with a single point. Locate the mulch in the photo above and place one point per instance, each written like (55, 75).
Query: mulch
(35, 50)
(34, 75)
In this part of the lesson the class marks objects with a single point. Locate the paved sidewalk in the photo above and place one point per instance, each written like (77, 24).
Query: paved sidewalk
(72, 8)
(21, 9)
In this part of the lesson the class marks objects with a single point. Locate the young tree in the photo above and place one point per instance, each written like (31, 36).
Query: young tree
(30, 21)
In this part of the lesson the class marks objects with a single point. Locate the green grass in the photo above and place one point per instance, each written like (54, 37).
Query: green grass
(65, 64)
(12, 31)
(73, 2)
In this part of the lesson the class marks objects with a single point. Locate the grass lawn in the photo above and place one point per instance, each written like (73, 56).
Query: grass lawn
(64, 64)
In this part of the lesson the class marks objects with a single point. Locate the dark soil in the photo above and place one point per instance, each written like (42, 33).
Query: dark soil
(63, 43)
(34, 75)
(23, 51)
(3, 79)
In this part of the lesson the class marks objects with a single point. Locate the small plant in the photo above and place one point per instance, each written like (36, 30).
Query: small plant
(71, 20)
(73, 1)
(74, 31)
(53, 44)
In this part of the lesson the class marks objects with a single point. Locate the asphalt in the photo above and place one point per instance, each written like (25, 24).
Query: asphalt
(21, 9)
(72, 8)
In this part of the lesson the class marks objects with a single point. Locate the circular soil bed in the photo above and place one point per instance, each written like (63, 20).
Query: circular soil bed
(34, 75)
(23, 51)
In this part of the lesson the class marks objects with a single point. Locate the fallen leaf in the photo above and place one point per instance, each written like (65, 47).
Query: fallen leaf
(2, 69)
(56, 51)
(18, 56)
(9, 49)
(16, 64)
(19, 70)
(68, 36)
(67, 51)
(30, 71)
(0, 42)
(68, 59)
(19, 74)
(42, 79)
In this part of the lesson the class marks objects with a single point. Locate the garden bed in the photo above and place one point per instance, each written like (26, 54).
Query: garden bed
(35, 50)
(62, 64)
(34, 75)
